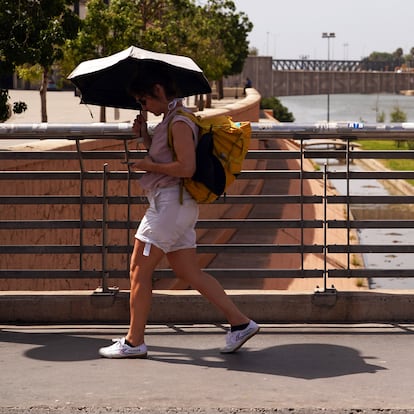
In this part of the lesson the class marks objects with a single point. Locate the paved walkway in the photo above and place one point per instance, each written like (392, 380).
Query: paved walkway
(284, 369)
(65, 107)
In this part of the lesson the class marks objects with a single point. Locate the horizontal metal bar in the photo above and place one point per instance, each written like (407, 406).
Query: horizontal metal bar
(353, 155)
(49, 249)
(158, 273)
(371, 224)
(273, 154)
(252, 154)
(65, 131)
(370, 175)
(201, 224)
(123, 175)
(252, 273)
(32, 200)
(124, 129)
(238, 248)
(258, 224)
(367, 199)
(231, 223)
(134, 154)
(51, 224)
(371, 248)
(228, 199)
(280, 174)
(70, 155)
(49, 274)
(259, 248)
(388, 155)
(201, 248)
(371, 273)
(66, 175)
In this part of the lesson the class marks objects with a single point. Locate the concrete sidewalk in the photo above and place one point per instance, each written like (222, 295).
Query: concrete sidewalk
(64, 107)
(285, 369)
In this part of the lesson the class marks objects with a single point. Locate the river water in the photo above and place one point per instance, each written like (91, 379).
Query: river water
(364, 108)
(380, 236)
(347, 107)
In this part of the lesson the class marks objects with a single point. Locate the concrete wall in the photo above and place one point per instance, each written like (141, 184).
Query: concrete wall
(190, 307)
(271, 83)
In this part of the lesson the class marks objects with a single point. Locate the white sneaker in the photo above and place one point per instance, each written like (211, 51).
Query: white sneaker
(119, 349)
(234, 340)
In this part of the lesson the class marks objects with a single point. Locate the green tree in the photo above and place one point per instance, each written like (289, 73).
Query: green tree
(214, 35)
(33, 32)
(227, 30)
(398, 115)
(106, 29)
(280, 112)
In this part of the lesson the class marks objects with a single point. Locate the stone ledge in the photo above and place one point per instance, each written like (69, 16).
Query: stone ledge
(188, 306)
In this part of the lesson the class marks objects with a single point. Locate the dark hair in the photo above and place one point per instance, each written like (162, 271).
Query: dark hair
(144, 84)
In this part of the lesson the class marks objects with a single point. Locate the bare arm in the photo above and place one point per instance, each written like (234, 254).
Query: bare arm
(184, 147)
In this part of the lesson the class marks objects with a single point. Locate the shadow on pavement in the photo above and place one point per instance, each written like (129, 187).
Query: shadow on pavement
(306, 361)
(297, 360)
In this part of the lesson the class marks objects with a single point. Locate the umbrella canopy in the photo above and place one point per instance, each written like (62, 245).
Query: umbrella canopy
(105, 81)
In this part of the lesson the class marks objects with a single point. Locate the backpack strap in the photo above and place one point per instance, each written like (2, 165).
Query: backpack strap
(171, 145)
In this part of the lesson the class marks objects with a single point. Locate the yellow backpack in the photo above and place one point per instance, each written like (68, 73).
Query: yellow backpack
(222, 147)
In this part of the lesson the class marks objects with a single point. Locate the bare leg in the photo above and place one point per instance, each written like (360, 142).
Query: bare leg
(185, 266)
(141, 270)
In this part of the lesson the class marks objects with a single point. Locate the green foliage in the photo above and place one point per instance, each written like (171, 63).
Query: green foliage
(390, 145)
(214, 35)
(381, 117)
(398, 115)
(280, 112)
(232, 30)
(34, 31)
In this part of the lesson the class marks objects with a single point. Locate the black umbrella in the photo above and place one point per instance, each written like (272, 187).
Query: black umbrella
(105, 81)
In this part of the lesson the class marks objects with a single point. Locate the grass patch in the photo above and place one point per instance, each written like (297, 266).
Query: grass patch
(390, 145)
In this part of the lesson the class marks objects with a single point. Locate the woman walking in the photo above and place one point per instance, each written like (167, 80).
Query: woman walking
(168, 226)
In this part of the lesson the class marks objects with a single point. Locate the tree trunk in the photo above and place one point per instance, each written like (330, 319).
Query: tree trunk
(102, 114)
(208, 100)
(220, 89)
(43, 91)
(200, 103)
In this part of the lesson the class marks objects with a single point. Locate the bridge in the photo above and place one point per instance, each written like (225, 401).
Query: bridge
(308, 64)
(337, 65)
(288, 77)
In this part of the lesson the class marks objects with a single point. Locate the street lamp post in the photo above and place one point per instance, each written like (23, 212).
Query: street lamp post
(329, 36)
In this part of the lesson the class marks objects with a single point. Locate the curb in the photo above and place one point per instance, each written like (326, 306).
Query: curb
(187, 306)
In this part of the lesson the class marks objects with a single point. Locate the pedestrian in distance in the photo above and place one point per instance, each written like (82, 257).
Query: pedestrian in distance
(168, 226)
(248, 84)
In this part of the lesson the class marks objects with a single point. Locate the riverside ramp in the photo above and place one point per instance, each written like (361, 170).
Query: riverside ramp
(337, 368)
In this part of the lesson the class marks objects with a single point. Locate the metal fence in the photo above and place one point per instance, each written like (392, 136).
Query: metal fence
(287, 217)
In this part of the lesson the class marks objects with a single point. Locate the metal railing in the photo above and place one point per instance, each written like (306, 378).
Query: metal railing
(317, 65)
(287, 217)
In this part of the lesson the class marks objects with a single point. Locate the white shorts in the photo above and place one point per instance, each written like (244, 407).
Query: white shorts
(167, 223)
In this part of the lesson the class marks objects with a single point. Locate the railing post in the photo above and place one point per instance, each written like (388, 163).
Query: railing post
(104, 230)
(302, 215)
(348, 207)
(128, 163)
(328, 291)
(81, 193)
(325, 224)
